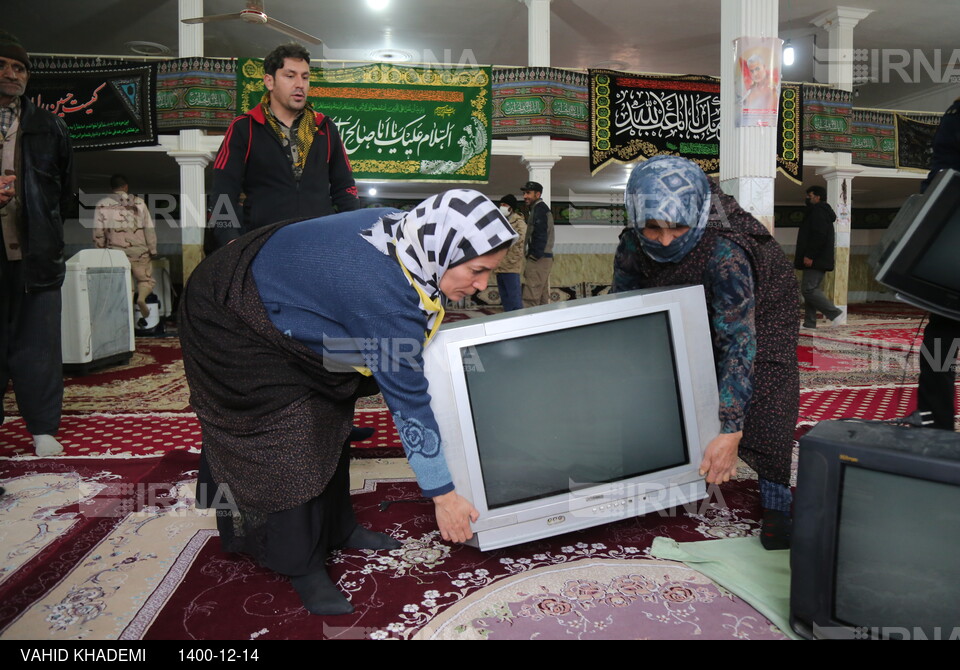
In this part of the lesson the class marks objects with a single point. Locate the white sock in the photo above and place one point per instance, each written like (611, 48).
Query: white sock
(47, 445)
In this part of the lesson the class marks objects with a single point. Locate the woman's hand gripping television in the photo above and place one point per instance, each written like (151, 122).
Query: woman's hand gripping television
(719, 462)
(454, 514)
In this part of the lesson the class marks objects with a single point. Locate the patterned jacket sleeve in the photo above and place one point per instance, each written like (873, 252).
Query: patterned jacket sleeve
(732, 306)
(343, 189)
(626, 270)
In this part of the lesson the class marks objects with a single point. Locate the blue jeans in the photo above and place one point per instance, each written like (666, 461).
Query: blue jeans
(508, 283)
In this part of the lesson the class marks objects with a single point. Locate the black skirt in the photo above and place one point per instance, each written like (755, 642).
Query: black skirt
(293, 541)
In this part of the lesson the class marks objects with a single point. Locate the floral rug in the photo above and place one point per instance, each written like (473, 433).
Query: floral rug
(105, 542)
(122, 553)
(597, 599)
(152, 381)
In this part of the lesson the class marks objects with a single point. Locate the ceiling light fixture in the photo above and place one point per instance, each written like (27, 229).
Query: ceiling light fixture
(391, 55)
(378, 5)
(789, 54)
(142, 48)
(609, 65)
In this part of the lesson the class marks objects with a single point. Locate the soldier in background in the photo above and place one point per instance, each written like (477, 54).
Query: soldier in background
(123, 222)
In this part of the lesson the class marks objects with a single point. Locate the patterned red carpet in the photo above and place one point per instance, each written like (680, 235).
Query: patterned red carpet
(124, 555)
(151, 382)
(105, 542)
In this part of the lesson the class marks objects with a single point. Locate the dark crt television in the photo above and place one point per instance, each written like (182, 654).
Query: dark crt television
(876, 537)
(919, 256)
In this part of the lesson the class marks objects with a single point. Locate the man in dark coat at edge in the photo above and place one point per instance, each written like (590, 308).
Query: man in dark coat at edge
(36, 192)
(936, 387)
(815, 257)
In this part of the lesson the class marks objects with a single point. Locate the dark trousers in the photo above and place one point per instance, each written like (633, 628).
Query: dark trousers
(294, 541)
(511, 297)
(30, 352)
(814, 299)
(935, 389)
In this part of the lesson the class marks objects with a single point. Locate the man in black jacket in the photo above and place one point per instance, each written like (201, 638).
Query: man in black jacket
(539, 260)
(936, 388)
(35, 193)
(285, 157)
(815, 257)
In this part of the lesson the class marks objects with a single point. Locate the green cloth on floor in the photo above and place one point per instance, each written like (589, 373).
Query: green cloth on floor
(742, 566)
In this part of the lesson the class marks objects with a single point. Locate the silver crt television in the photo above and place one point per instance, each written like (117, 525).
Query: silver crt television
(575, 414)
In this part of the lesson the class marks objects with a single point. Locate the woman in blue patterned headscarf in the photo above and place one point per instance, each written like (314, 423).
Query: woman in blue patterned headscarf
(683, 230)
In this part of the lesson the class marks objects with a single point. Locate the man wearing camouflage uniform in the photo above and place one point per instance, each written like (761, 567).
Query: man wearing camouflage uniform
(123, 222)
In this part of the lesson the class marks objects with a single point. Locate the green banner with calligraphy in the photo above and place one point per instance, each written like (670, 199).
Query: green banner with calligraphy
(104, 107)
(827, 122)
(878, 142)
(196, 93)
(540, 101)
(874, 140)
(400, 123)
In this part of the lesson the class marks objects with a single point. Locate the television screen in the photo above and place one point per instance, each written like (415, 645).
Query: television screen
(538, 434)
(570, 415)
(917, 256)
(876, 533)
(938, 264)
(890, 542)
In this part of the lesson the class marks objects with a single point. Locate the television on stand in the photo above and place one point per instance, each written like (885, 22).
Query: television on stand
(575, 414)
(875, 552)
(918, 256)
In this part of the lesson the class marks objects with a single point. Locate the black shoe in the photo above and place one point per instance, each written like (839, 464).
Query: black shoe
(358, 434)
(776, 529)
(319, 595)
(363, 538)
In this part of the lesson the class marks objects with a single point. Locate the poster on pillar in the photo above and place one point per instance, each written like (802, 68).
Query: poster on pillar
(757, 78)
(397, 122)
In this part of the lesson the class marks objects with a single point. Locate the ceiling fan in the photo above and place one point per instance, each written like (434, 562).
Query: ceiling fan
(253, 13)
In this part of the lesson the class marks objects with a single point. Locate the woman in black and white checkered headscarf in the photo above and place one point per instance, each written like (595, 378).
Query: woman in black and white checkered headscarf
(283, 329)
(440, 233)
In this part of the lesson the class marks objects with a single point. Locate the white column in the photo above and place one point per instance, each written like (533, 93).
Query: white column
(189, 156)
(539, 161)
(838, 58)
(538, 32)
(193, 160)
(538, 155)
(839, 196)
(748, 156)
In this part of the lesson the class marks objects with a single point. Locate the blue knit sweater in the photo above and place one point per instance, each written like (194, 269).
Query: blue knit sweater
(328, 288)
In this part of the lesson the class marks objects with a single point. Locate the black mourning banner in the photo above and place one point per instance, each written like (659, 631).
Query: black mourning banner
(104, 107)
(646, 115)
(914, 143)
